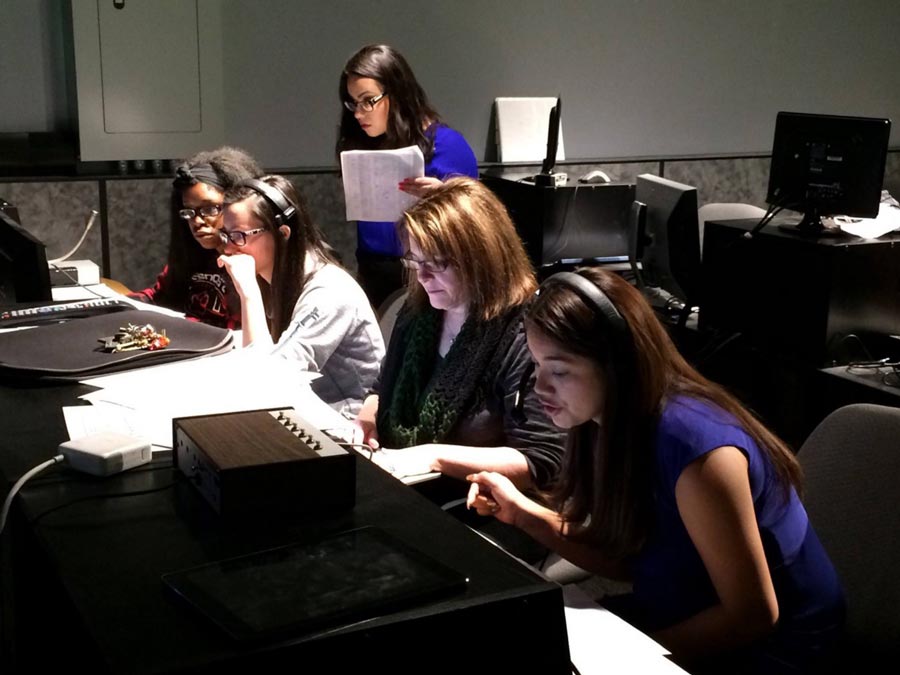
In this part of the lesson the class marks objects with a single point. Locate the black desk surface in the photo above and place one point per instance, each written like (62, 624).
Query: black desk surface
(108, 554)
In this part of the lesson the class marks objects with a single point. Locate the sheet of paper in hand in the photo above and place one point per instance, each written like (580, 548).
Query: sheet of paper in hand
(371, 178)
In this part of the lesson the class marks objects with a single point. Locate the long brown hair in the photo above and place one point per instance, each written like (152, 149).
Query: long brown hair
(463, 222)
(288, 271)
(605, 487)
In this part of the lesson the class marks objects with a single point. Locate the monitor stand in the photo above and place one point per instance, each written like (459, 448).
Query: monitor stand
(812, 226)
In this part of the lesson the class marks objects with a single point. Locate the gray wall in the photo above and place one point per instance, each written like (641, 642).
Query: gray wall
(668, 80)
(638, 77)
(35, 92)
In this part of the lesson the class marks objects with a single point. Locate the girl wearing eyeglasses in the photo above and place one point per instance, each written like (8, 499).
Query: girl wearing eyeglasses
(383, 108)
(191, 282)
(455, 393)
(297, 302)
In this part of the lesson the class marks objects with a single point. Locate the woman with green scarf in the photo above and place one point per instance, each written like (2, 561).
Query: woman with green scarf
(456, 386)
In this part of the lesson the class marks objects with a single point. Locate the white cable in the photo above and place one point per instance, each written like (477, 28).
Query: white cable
(87, 228)
(19, 483)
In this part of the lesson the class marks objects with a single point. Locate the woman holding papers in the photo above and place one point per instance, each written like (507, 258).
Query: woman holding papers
(385, 108)
(455, 388)
(191, 281)
(669, 481)
(296, 301)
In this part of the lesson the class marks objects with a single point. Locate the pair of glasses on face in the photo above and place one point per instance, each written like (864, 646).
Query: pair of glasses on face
(366, 105)
(207, 212)
(238, 237)
(430, 266)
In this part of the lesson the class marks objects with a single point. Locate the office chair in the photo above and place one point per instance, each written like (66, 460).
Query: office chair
(726, 211)
(851, 463)
(387, 312)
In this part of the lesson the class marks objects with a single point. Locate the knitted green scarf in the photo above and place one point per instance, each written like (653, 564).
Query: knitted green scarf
(428, 396)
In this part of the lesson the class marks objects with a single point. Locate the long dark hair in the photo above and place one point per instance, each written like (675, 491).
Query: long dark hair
(222, 168)
(605, 487)
(289, 268)
(410, 109)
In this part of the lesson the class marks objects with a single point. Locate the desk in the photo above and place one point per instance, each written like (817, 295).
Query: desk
(82, 586)
(570, 221)
(798, 296)
(841, 387)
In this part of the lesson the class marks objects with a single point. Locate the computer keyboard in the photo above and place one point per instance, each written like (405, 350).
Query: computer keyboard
(60, 311)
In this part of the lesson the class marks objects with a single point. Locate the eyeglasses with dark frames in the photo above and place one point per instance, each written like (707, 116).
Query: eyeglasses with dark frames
(430, 266)
(207, 212)
(366, 105)
(238, 237)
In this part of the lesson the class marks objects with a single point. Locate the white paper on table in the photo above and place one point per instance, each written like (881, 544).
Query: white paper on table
(148, 399)
(371, 178)
(887, 220)
(600, 642)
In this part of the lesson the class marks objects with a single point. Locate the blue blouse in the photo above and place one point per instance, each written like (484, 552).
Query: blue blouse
(670, 579)
(452, 157)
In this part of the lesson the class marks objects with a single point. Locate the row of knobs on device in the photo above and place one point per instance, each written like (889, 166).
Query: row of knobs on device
(298, 431)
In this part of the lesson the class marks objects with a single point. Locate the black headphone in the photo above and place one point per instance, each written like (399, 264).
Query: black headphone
(284, 209)
(621, 341)
(602, 307)
(596, 299)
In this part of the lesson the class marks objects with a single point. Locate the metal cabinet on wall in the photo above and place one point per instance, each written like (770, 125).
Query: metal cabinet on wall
(149, 77)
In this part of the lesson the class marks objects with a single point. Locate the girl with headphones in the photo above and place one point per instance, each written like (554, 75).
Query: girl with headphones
(669, 482)
(191, 281)
(383, 108)
(296, 300)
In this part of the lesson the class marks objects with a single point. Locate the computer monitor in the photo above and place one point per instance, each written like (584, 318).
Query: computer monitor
(668, 248)
(825, 165)
(552, 137)
(545, 177)
(24, 274)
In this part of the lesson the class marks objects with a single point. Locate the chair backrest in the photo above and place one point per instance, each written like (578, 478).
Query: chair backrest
(851, 463)
(726, 211)
(387, 312)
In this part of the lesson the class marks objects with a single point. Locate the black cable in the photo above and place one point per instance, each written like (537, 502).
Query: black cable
(135, 493)
(771, 212)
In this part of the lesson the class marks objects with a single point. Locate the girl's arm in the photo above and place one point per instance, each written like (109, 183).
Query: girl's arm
(716, 506)
(494, 494)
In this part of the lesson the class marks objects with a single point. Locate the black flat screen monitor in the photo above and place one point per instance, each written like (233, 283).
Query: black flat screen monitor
(824, 165)
(552, 137)
(588, 224)
(669, 246)
(572, 224)
(24, 275)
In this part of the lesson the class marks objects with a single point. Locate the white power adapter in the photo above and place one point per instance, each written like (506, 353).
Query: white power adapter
(105, 453)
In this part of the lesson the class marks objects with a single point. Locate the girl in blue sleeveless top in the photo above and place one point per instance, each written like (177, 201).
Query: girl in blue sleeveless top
(669, 482)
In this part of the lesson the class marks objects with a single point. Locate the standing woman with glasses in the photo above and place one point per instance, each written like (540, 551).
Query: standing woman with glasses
(191, 281)
(455, 389)
(297, 302)
(384, 108)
